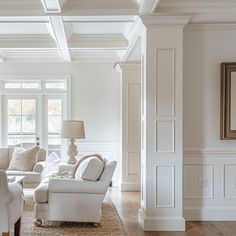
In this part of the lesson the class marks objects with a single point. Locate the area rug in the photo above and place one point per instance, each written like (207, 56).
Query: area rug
(111, 224)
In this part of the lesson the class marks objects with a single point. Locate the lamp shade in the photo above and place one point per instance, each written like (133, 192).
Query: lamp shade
(72, 129)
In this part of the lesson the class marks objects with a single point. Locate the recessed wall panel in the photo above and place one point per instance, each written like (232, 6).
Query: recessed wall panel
(165, 82)
(165, 136)
(198, 181)
(134, 113)
(230, 181)
(165, 186)
(133, 163)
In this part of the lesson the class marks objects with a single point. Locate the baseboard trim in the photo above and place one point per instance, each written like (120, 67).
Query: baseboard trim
(210, 214)
(160, 223)
(130, 187)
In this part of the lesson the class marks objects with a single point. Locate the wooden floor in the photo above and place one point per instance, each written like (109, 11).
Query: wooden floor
(128, 203)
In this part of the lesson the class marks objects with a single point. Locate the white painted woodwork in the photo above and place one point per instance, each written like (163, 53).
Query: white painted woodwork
(230, 181)
(165, 186)
(130, 95)
(165, 86)
(161, 155)
(165, 136)
(59, 35)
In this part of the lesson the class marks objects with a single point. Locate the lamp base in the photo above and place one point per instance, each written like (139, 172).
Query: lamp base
(72, 152)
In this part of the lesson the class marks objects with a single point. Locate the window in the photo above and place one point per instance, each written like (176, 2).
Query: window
(34, 109)
(54, 125)
(21, 122)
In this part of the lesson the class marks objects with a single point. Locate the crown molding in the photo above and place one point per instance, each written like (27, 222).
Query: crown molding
(214, 18)
(209, 27)
(129, 65)
(196, 7)
(160, 19)
(133, 36)
(19, 55)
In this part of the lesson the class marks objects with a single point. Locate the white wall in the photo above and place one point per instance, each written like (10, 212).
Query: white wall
(209, 163)
(95, 99)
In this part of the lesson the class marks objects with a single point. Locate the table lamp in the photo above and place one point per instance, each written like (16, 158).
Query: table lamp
(72, 129)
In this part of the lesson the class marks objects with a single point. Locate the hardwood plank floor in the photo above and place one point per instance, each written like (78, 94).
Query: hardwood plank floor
(128, 203)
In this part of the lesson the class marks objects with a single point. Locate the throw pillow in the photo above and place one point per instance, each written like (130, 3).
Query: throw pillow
(89, 168)
(24, 160)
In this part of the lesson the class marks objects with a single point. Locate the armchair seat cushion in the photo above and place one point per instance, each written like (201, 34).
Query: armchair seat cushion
(30, 176)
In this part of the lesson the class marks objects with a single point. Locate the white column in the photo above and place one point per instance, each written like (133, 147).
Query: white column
(162, 118)
(130, 133)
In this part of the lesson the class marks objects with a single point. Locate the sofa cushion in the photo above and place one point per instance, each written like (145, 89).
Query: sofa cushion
(4, 158)
(24, 160)
(30, 176)
(41, 193)
(90, 169)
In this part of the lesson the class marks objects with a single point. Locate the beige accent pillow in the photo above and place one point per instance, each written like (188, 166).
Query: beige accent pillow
(24, 160)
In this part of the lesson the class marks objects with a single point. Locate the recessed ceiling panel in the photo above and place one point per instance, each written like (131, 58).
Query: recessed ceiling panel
(23, 28)
(99, 27)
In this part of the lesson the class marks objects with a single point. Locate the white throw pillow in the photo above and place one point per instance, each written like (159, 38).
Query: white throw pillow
(24, 160)
(90, 169)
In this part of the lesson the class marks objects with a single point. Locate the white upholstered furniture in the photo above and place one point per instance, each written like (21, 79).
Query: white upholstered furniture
(32, 178)
(71, 199)
(11, 205)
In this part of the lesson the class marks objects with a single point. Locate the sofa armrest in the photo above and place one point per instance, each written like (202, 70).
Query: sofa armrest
(40, 166)
(58, 185)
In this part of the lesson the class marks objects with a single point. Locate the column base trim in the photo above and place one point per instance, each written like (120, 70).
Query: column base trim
(160, 223)
(210, 214)
(130, 187)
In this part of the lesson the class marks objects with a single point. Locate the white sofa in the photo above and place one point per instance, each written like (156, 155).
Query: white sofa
(32, 178)
(73, 200)
(11, 206)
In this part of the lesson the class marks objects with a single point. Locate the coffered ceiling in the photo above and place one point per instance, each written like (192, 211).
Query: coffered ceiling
(81, 30)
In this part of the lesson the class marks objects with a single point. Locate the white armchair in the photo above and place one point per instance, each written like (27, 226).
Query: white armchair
(11, 206)
(71, 199)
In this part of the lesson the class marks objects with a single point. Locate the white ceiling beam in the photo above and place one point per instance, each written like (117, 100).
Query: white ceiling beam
(58, 32)
(148, 6)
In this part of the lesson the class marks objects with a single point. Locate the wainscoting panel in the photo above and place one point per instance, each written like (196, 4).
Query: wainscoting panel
(210, 184)
(229, 181)
(133, 163)
(165, 186)
(165, 85)
(133, 111)
(198, 181)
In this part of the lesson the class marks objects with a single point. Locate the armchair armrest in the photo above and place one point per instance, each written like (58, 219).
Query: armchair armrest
(57, 185)
(39, 166)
